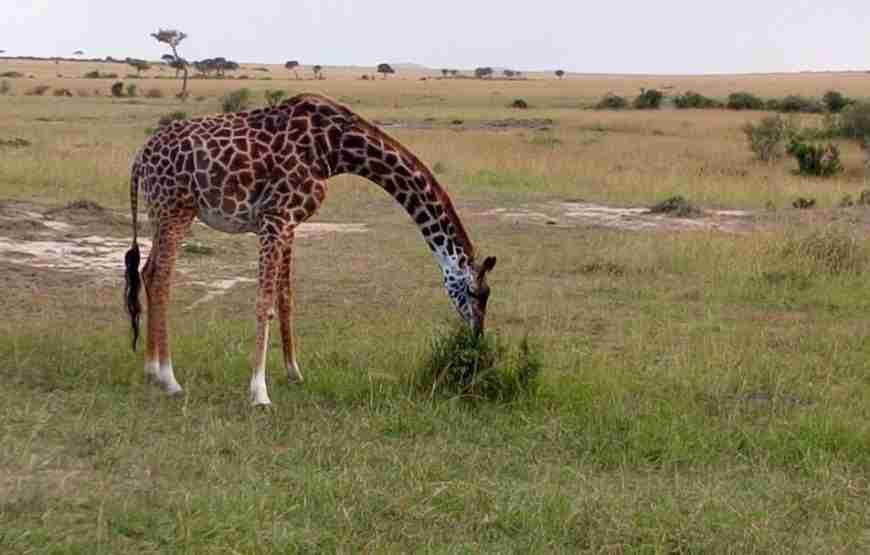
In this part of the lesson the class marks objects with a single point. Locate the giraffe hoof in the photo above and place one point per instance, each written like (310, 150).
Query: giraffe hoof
(176, 392)
(294, 376)
(257, 403)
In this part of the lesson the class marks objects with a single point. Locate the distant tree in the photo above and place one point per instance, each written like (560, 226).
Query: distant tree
(445, 72)
(483, 72)
(79, 53)
(454, 72)
(221, 65)
(172, 38)
(317, 69)
(560, 73)
(2, 52)
(138, 65)
(385, 69)
(291, 66)
(509, 73)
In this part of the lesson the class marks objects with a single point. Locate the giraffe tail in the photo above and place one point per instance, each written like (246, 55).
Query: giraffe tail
(131, 261)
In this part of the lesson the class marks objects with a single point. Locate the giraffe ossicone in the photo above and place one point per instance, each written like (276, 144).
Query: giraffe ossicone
(265, 172)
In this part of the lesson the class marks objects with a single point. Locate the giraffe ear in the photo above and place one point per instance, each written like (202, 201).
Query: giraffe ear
(488, 265)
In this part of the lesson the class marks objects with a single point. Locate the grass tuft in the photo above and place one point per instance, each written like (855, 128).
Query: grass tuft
(463, 364)
(676, 206)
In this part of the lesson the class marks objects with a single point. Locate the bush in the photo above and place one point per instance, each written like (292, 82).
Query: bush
(273, 98)
(117, 89)
(519, 103)
(463, 364)
(236, 101)
(794, 103)
(773, 105)
(649, 99)
(611, 101)
(835, 101)
(816, 160)
(695, 100)
(12, 74)
(131, 90)
(154, 92)
(62, 92)
(38, 90)
(767, 139)
(744, 101)
(92, 75)
(5, 87)
(676, 206)
(853, 122)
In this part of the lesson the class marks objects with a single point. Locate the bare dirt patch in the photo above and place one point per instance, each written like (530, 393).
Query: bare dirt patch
(86, 240)
(586, 214)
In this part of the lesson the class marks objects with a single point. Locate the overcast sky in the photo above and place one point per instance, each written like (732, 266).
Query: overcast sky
(623, 36)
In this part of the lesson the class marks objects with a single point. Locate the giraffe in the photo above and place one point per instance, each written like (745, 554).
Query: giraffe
(265, 172)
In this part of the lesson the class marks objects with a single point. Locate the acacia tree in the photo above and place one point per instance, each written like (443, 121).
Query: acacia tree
(318, 69)
(138, 65)
(560, 73)
(385, 69)
(445, 72)
(291, 66)
(172, 38)
(483, 72)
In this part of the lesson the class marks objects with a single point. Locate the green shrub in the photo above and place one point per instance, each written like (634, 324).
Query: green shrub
(800, 104)
(131, 90)
(835, 101)
(853, 122)
(463, 364)
(117, 89)
(695, 100)
(236, 101)
(816, 159)
(768, 138)
(273, 98)
(611, 101)
(744, 101)
(649, 99)
(773, 104)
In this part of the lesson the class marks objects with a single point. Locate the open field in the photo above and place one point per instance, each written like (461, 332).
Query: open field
(705, 385)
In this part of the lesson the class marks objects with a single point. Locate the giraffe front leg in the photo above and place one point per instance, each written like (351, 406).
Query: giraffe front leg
(270, 257)
(285, 312)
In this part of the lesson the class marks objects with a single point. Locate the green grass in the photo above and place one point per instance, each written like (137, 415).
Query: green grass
(700, 392)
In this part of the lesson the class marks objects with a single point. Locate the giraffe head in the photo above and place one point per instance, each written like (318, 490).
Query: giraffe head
(469, 291)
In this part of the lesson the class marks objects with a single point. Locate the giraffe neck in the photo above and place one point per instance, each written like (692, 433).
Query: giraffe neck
(369, 152)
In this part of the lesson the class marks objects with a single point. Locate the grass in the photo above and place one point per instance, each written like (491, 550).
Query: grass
(700, 392)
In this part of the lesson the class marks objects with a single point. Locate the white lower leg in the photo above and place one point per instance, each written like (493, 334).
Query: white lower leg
(259, 392)
(166, 376)
(152, 369)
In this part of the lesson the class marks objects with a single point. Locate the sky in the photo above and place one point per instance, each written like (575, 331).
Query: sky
(624, 36)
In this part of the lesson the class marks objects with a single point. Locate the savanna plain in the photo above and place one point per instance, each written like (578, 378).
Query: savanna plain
(705, 382)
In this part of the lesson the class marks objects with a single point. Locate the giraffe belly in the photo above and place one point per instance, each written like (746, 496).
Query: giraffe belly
(240, 222)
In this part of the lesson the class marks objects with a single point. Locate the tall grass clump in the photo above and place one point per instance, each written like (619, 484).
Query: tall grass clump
(829, 250)
(273, 98)
(236, 101)
(463, 364)
(767, 139)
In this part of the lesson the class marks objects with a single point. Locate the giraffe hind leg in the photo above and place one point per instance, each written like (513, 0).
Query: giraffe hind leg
(285, 312)
(158, 282)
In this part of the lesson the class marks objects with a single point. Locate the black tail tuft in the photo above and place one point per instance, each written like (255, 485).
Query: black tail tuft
(131, 291)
